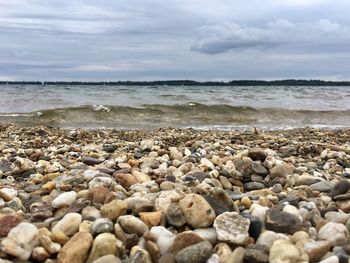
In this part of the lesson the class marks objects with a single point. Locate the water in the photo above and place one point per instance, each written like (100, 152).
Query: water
(130, 107)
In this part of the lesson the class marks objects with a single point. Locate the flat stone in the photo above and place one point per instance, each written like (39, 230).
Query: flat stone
(341, 187)
(76, 249)
(282, 222)
(324, 186)
(183, 240)
(197, 211)
(91, 161)
(131, 224)
(231, 227)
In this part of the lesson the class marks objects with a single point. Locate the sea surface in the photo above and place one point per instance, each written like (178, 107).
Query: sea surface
(201, 107)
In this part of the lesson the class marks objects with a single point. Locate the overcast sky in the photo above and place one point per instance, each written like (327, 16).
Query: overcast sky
(174, 39)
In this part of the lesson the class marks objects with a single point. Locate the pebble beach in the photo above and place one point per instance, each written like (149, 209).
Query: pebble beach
(174, 195)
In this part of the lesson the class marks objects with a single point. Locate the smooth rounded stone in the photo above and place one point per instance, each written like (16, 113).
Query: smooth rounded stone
(139, 255)
(324, 186)
(343, 205)
(257, 154)
(103, 244)
(90, 174)
(254, 186)
(140, 177)
(259, 211)
(342, 197)
(20, 241)
(281, 170)
(164, 238)
(220, 201)
(337, 217)
(244, 166)
(231, 227)
(174, 215)
(40, 254)
(197, 211)
(7, 222)
(102, 225)
(69, 224)
(282, 222)
(64, 199)
(107, 259)
(282, 251)
(151, 218)
(236, 256)
(165, 198)
(8, 194)
(15, 204)
(183, 240)
(76, 249)
(277, 188)
(51, 247)
(316, 249)
(259, 169)
(337, 234)
(223, 250)
(114, 209)
(90, 213)
(214, 258)
(98, 194)
(21, 165)
(208, 234)
(341, 254)
(125, 180)
(268, 237)
(307, 179)
(330, 259)
(341, 187)
(197, 253)
(131, 224)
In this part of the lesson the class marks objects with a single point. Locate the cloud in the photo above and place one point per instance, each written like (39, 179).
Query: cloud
(322, 35)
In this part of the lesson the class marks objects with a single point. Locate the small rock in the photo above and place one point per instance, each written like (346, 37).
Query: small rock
(316, 249)
(174, 216)
(50, 246)
(231, 227)
(64, 199)
(126, 180)
(7, 222)
(139, 255)
(337, 234)
(90, 213)
(91, 161)
(183, 240)
(236, 256)
(20, 241)
(282, 222)
(76, 249)
(151, 218)
(69, 224)
(7, 194)
(164, 238)
(195, 254)
(40, 254)
(22, 165)
(208, 234)
(107, 259)
(197, 211)
(268, 237)
(114, 209)
(340, 188)
(257, 154)
(284, 251)
(281, 170)
(131, 224)
(104, 244)
(102, 225)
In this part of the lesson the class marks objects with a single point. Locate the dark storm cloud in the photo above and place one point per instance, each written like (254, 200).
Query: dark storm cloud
(174, 39)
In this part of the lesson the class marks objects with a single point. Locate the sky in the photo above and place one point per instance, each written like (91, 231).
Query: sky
(204, 40)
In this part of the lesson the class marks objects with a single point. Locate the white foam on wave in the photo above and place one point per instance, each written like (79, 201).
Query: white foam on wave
(101, 108)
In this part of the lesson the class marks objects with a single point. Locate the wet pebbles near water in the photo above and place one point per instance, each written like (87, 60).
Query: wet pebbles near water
(173, 195)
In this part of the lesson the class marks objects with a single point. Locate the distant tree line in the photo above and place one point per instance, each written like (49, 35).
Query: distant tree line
(286, 82)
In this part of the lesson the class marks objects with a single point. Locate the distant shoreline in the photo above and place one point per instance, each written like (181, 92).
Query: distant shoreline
(286, 82)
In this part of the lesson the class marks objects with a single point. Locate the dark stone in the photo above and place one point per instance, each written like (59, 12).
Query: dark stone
(110, 148)
(92, 161)
(253, 186)
(131, 240)
(257, 154)
(170, 178)
(109, 171)
(259, 169)
(244, 167)
(255, 226)
(41, 211)
(342, 197)
(78, 205)
(220, 201)
(291, 199)
(200, 176)
(340, 188)
(5, 166)
(282, 222)
(255, 254)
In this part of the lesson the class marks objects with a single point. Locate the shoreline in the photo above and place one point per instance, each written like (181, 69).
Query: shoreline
(162, 195)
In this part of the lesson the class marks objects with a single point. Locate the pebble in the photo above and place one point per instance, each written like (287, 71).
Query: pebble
(76, 249)
(284, 251)
(102, 225)
(164, 238)
(132, 225)
(114, 209)
(336, 234)
(231, 227)
(107, 259)
(197, 211)
(64, 199)
(282, 222)
(69, 224)
(8, 194)
(197, 253)
(103, 244)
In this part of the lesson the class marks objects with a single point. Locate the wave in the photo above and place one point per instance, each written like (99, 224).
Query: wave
(192, 114)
